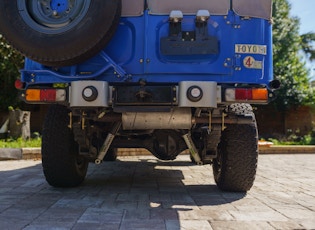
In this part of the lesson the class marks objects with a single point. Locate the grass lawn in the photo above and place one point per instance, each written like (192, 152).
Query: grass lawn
(20, 143)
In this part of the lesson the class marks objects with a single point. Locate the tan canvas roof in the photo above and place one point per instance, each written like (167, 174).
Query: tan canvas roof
(250, 8)
(253, 8)
(215, 7)
(132, 8)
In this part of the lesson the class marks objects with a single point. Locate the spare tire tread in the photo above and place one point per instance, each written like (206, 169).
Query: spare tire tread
(74, 46)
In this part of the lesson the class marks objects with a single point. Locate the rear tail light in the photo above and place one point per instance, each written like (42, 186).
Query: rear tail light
(18, 84)
(45, 95)
(260, 94)
(246, 94)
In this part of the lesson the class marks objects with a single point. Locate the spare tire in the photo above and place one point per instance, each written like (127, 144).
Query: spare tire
(59, 32)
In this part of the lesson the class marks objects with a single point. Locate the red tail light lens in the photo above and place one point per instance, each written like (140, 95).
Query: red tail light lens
(45, 95)
(246, 94)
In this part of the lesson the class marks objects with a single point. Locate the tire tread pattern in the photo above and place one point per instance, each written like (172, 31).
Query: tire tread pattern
(78, 44)
(238, 152)
(60, 151)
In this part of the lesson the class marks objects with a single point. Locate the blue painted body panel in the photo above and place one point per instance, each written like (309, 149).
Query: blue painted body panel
(134, 54)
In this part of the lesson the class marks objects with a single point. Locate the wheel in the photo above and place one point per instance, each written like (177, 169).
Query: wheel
(59, 32)
(62, 165)
(234, 169)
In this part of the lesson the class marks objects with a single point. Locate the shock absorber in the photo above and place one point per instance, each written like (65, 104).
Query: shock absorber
(192, 148)
(108, 141)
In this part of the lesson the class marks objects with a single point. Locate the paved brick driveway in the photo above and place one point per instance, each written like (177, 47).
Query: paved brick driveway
(143, 193)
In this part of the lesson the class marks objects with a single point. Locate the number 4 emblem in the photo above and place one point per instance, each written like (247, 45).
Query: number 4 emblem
(250, 63)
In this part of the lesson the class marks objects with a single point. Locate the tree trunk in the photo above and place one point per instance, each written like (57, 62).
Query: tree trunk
(19, 124)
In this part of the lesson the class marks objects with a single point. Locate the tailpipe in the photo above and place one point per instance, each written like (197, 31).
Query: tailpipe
(275, 84)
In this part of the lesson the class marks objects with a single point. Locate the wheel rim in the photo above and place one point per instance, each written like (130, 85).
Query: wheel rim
(53, 16)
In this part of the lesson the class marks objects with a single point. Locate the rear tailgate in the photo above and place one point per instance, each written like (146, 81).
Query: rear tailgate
(231, 46)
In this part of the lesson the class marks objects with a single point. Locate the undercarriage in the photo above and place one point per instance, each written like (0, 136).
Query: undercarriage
(164, 134)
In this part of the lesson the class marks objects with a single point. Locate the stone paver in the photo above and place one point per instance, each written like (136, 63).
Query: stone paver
(145, 193)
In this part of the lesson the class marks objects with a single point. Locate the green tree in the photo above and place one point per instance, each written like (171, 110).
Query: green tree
(10, 63)
(307, 42)
(288, 65)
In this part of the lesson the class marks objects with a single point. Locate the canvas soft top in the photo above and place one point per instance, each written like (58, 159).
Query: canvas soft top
(215, 7)
(253, 8)
(250, 8)
(132, 8)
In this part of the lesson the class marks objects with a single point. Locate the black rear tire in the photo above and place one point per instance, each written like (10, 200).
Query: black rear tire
(234, 169)
(62, 165)
(79, 30)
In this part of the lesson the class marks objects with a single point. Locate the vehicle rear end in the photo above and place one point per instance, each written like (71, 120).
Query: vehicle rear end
(176, 75)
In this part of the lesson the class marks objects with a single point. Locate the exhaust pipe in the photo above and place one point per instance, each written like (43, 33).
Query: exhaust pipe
(275, 84)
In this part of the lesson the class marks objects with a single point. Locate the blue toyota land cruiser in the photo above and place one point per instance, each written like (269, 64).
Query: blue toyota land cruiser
(164, 75)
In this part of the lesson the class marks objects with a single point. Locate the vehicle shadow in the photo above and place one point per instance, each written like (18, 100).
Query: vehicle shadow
(151, 191)
(130, 193)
